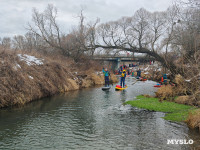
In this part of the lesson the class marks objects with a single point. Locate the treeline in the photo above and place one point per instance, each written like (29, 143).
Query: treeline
(45, 36)
(171, 37)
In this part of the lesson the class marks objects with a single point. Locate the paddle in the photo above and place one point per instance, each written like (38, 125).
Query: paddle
(134, 82)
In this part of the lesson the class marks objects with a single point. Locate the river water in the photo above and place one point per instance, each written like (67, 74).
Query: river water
(91, 119)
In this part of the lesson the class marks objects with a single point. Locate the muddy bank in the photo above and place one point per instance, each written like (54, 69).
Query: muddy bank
(25, 77)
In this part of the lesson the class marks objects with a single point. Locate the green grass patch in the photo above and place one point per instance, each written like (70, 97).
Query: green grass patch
(175, 112)
(179, 116)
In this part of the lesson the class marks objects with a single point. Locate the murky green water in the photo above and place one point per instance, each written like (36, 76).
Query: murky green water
(91, 119)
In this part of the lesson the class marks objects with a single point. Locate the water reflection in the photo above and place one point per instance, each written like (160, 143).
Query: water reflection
(123, 96)
(106, 95)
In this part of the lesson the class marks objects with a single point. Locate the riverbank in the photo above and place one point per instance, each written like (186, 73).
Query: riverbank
(174, 111)
(28, 77)
(180, 90)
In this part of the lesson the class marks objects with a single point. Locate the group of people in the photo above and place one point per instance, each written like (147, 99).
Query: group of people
(107, 74)
(125, 67)
(129, 72)
(164, 79)
(122, 72)
(123, 77)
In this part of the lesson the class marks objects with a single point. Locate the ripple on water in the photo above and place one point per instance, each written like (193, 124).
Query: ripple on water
(90, 119)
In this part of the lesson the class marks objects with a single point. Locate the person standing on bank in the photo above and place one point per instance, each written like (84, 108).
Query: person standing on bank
(106, 75)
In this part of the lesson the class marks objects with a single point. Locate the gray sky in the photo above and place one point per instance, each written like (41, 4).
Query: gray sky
(15, 14)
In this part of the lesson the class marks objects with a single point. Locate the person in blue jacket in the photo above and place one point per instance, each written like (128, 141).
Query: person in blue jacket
(123, 76)
(139, 73)
(165, 78)
(106, 75)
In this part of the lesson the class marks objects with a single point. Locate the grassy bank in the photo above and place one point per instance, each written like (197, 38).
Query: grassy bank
(175, 112)
(30, 76)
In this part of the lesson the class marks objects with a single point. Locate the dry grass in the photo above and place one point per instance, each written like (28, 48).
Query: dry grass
(155, 75)
(24, 84)
(195, 98)
(165, 93)
(184, 88)
(87, 83)
(193, 120)
(114, 78)
(146, 95)
(94, 79)
(19, 85)
(181, 88)
(182, 99)
(97, 79)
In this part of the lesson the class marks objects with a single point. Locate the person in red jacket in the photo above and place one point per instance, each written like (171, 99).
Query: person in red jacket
(162, 80)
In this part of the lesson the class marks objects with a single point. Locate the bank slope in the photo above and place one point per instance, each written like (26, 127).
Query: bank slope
(174, 111)
(28, 77)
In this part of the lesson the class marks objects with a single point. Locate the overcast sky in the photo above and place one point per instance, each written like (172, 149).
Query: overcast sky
(15, 14)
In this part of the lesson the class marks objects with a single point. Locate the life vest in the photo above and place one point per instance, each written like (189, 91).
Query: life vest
(106, 73)
(162, 79)
(123, 74)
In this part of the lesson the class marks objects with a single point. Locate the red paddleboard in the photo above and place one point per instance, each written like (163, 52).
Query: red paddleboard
(157, 85)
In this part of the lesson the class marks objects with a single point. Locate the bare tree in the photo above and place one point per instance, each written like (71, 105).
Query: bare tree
(140, 33)
(74, 44)
(77, 41)
(29, 42)
(6, 43)
(19, 42)
(46, 27)
(171, 20)
(157, 29)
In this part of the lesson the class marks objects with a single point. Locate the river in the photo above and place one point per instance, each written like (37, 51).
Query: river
(91, 119)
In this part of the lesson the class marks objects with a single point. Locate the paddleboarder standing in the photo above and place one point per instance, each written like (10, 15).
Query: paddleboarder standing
(106, 75)
(123, 76)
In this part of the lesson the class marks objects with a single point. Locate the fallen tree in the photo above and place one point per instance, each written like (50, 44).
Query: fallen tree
(168, 64)
(162, 35)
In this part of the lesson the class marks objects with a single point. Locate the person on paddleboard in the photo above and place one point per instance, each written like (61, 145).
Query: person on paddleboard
(123, 76)
(106, 75)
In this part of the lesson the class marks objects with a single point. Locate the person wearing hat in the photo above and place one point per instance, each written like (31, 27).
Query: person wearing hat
(123, 76)
(106, 75)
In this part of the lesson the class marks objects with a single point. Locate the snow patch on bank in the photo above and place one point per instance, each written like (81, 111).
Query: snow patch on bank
(31, 77)
(30, 60)
(99, 73)
(147, 68)
(17, 66)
